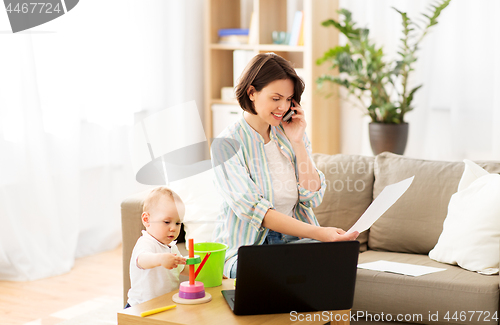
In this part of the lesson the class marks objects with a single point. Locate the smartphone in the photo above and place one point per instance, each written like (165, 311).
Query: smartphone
(288, 115)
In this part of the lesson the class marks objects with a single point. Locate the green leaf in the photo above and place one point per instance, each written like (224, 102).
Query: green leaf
(410, 96)
(398, 10)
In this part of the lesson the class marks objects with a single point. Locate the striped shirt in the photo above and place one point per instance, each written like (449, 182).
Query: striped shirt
(243, 178)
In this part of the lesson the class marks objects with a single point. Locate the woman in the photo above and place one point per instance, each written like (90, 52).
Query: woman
(263, 165)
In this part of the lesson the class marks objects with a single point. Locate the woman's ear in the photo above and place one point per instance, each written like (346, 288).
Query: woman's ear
(251, 92)
(145, 219)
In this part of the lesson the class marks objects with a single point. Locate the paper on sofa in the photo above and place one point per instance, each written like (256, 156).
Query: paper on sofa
(400, 268)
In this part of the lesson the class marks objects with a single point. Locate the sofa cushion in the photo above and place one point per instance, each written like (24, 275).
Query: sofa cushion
(349, 180)
(413, 224)
(472, 227)
(454, 289)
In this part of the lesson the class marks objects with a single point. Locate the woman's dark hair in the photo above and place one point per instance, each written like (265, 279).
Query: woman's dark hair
(263, 69)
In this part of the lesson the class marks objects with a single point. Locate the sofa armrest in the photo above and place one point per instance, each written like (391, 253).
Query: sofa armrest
(131, 210)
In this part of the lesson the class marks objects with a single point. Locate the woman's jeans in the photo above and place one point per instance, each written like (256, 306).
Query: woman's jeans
(272, 238)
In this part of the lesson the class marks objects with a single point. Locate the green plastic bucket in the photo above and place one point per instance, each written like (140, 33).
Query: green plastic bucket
(211, 273)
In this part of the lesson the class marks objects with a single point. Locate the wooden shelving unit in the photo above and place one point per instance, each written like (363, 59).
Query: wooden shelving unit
(322, 113)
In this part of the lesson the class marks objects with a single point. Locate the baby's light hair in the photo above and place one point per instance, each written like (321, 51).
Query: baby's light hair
(154, 198)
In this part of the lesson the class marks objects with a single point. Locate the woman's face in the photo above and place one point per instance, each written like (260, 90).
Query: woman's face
(272, 102)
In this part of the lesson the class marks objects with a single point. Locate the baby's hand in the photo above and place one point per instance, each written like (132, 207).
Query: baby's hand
(171, 261)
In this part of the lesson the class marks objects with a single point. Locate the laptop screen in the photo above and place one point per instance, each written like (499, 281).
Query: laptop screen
(296, 277)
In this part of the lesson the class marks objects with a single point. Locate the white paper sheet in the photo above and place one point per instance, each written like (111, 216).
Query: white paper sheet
(389, 195)
(400, 268)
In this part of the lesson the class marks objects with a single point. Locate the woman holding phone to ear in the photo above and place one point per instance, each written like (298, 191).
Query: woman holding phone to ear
(268, 182)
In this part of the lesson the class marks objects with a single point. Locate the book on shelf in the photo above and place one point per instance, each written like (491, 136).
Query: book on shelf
(301, 33)
(252, 31)
(296, 28)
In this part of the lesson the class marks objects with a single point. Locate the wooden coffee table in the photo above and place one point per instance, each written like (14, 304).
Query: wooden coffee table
(218, 312)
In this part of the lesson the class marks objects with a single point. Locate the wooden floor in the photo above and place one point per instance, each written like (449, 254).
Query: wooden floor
(91, 277)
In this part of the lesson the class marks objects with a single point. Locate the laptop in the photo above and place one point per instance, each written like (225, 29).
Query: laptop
(304, 277)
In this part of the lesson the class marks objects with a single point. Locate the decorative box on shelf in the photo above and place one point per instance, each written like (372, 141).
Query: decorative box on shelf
(233, 36)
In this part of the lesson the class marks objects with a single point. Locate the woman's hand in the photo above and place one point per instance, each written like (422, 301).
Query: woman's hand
(296, 128)
(327, 234)
(284, 224)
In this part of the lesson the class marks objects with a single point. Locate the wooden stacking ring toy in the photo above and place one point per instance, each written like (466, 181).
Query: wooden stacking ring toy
(192, 292)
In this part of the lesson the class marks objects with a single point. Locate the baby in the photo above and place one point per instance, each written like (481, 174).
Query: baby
(156, 262)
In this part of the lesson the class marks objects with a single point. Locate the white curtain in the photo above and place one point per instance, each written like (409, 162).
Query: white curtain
(69, 92)
(457, 112)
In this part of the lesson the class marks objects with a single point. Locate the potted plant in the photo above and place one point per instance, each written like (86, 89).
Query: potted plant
(380, 85)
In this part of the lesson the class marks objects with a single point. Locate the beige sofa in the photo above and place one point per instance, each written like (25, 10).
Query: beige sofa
(405, 233)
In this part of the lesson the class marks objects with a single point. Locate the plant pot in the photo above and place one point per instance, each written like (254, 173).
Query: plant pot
(388, 137)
